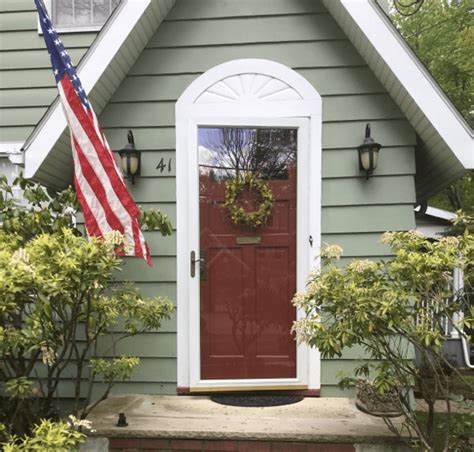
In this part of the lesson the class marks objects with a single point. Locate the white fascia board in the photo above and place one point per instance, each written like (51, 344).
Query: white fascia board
(437, 213)
(11, 147)
(440, 213)
(419, 84)
(95, 62)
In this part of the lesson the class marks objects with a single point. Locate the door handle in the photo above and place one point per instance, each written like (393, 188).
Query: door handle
(202, 264)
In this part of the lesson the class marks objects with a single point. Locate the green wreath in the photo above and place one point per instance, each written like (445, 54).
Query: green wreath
(238, 215)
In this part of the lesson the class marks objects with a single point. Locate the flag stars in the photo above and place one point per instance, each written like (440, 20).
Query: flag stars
(50, 31)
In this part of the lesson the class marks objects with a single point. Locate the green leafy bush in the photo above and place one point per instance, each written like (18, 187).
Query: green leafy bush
(62, 308)
(394, 310)
(47, 436)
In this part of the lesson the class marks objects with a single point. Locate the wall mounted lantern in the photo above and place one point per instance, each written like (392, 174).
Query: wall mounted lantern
(368, 153)
(130, 158)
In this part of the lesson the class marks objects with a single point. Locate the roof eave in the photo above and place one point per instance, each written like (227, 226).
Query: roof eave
(102, 53)
(369, 29)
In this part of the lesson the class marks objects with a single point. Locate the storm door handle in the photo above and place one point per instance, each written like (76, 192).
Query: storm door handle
(202, 265)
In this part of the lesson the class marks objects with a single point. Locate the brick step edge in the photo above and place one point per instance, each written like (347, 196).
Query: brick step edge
(150, 445)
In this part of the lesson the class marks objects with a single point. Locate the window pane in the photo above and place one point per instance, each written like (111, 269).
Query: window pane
(101, 11)
(247, 272)
(82, 12)
(63, 12)
(268, 152)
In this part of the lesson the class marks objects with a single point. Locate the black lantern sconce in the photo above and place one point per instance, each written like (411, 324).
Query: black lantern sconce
(368, 153)
(130, 158)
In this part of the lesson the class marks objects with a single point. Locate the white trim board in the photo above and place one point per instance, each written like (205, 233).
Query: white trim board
(438, 213)
(286, 100)
(11, 147)
(425, 93)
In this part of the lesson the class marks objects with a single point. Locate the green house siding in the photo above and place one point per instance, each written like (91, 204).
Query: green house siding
(196, 36)
(27, 85)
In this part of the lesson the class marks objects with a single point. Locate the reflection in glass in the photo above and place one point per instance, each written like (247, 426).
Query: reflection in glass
(247, 285)
(224, 152)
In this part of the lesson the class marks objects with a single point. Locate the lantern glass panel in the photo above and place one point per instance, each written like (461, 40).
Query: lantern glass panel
(365, 159)
(133, 164)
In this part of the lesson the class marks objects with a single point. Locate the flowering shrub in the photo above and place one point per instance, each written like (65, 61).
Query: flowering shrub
(62, 312)
(393, 310)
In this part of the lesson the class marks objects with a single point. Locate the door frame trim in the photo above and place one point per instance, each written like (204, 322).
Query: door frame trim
(301, 109)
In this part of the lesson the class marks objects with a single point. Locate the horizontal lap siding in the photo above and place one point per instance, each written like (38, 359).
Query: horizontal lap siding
(27, 85)
(199, 35)
(196, 36)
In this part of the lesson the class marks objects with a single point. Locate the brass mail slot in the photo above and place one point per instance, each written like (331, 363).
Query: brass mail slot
(248, 240)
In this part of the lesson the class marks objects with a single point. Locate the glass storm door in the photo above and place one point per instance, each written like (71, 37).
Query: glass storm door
(247, 274)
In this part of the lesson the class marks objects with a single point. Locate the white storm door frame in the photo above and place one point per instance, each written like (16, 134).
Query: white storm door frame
(299, 107)
(303, 258)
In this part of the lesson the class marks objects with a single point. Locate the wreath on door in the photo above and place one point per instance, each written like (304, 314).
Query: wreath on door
(240, 216)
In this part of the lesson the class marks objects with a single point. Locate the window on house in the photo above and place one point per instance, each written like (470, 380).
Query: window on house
(81, 13)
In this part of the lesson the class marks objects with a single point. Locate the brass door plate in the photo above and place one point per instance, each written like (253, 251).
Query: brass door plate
(248, 240)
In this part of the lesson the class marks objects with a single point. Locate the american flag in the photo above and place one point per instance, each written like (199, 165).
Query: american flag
(103, 196)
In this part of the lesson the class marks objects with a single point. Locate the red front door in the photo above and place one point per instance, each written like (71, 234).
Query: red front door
(248, 275)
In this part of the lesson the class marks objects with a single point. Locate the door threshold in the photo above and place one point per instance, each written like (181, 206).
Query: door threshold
(248, 388)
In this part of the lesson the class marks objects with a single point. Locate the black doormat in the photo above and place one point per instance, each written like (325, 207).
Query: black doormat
(256, 400)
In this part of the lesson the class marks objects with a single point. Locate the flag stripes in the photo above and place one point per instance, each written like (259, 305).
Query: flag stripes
(101, 190)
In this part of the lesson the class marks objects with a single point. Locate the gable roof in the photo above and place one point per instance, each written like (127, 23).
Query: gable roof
(446, 147)
(47, 150)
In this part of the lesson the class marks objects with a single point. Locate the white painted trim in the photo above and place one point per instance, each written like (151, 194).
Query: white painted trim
(305, 114)
(419, 84)
(12, 147)
(93, 65)
(438, 213)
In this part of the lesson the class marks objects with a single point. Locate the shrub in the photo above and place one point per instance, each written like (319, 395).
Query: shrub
(62, 309)
(393, 310)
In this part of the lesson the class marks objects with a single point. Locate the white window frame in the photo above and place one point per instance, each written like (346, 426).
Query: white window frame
(69, 29)
(303, 113)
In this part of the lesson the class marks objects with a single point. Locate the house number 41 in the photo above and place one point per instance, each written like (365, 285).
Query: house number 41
(164, 165)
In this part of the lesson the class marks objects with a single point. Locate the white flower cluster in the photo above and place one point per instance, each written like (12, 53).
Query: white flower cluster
(315, 286)
(450, 241)
(299, 299)
(48, 355)
(21, 258)
(304, 329)
(387, 237)
(361, 266)
(331, 252)
(79, 424)
(114, 238)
